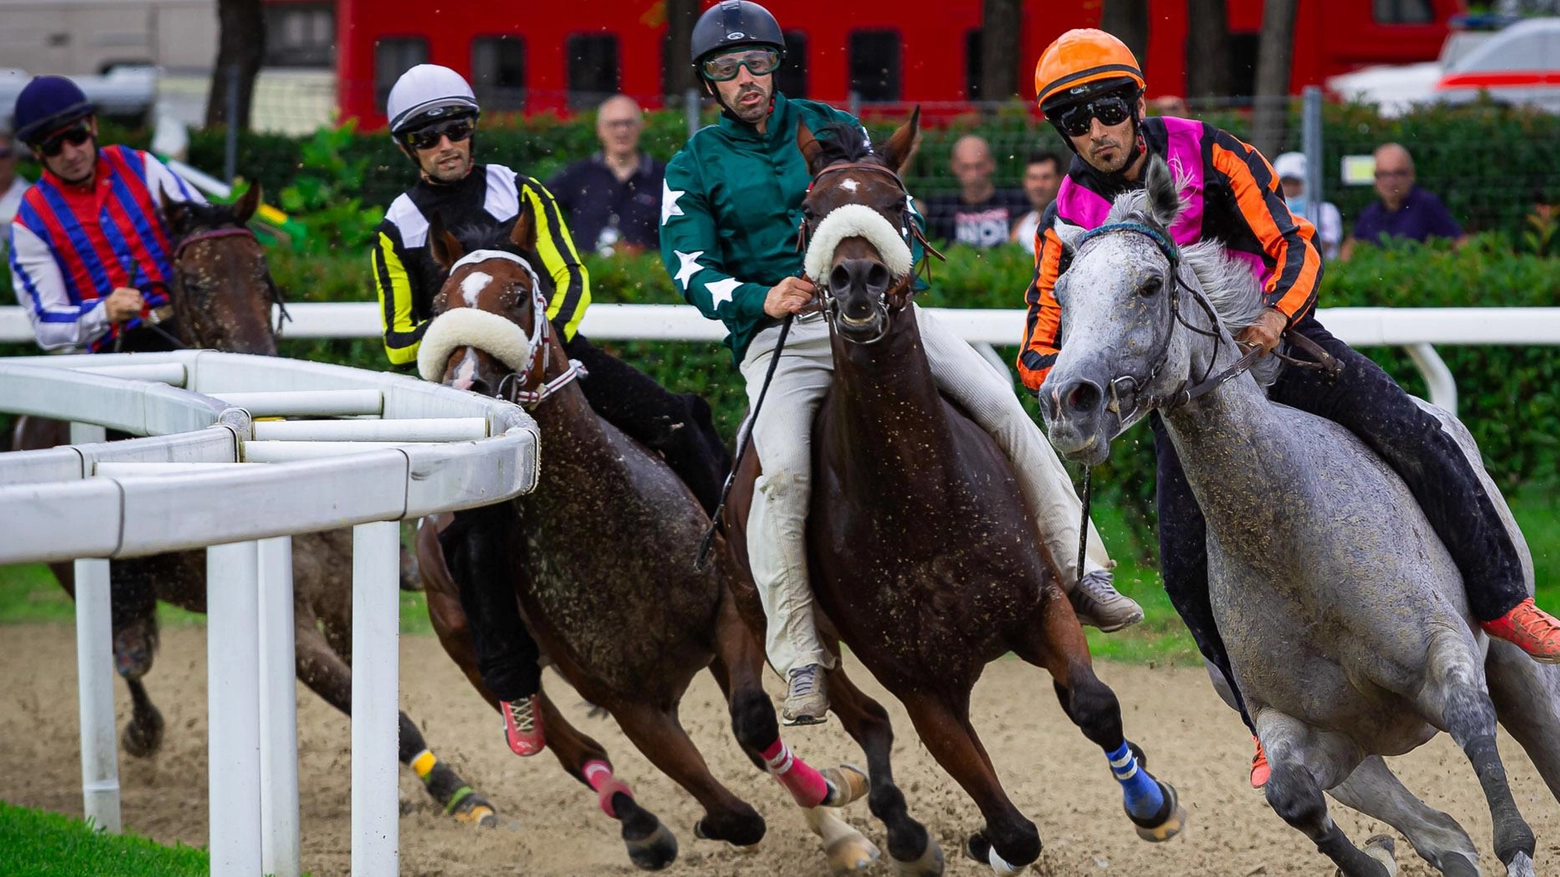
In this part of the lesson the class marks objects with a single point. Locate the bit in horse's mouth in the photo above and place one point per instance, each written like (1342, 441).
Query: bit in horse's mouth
(863, 323)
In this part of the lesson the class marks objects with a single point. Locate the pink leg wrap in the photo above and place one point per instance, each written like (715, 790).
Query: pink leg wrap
(804, 783)
(599, 774)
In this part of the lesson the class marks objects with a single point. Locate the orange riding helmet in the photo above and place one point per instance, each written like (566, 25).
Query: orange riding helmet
(1081, 63)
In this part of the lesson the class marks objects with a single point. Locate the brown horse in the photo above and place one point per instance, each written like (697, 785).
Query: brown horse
(923, 554)
(222, 298)
(601, 557)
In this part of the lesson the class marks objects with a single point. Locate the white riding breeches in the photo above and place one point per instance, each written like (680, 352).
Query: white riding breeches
(782, 437)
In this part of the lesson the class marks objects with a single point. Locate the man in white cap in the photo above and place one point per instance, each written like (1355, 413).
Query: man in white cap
(1290, 168)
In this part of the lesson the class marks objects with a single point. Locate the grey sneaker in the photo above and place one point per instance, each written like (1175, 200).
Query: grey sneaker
(806, 701)
(1098, 604)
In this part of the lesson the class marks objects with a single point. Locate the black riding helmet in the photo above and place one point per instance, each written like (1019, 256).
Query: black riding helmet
(733, 23)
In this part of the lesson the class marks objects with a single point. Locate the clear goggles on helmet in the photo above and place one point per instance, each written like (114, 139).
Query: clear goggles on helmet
(759, 61)
(428, 136)
(1075, 120)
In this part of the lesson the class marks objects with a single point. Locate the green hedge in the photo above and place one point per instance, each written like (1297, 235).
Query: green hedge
(1485, 160)
(1508, 394)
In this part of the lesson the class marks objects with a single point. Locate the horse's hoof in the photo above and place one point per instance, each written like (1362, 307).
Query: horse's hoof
(1521, 866)
(847, 783)
(1383, 849)
(977, 847)
(1165, 824)
(142, 739)
(850, 854)
(474, 809)
(654, 852)
(930, 864)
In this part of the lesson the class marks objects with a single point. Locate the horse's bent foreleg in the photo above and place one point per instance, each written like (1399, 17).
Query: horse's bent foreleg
(1526, 695)
(1009, 841)
(650, 845)
(1468, 714)
(1058, 645)
(914, 851)
(1375, 791)
(658, 735)
(323, 671)
(1303, 764)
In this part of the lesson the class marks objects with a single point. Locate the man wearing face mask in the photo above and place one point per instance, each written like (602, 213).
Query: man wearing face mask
(1291, 168)
(729, 218)
(1090, 88)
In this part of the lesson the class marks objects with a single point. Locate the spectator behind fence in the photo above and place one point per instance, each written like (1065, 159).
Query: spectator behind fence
(1291, 167)
(1042, 179)
(614, 197)
(1405, 210)
(979, 214)
(11, 188)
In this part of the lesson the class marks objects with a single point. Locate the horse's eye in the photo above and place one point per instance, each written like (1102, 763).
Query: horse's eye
(1151, 286)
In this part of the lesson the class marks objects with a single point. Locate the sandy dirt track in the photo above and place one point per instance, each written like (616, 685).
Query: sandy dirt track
(552, 825)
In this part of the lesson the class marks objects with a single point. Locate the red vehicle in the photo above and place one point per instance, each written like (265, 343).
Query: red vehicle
(885, 51)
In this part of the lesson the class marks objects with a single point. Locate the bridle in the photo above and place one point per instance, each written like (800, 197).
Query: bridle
(909, 232)
(1126, 392)
(232, 231)
(515, 385)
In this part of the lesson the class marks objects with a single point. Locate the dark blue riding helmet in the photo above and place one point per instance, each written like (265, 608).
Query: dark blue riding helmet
(47, 104)
(733, 23)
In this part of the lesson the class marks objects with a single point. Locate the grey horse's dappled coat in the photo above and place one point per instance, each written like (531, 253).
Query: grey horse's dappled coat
(1342, 612)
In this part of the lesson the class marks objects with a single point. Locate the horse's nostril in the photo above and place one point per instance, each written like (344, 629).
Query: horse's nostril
(839, 278)
(480, 387)
(1084, 397)
(877, 276)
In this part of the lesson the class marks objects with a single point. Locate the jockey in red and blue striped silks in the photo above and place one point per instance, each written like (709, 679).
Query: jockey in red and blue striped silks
(71, 245)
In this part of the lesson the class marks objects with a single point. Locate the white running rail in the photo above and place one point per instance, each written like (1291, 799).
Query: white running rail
(404, 449)
(1415, 329)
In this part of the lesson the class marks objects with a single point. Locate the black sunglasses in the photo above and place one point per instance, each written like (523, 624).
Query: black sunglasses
(1112, 109)
(55, 144)
(428, 137)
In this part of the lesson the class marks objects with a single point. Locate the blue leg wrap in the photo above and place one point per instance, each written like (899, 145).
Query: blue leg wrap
(1142, 794)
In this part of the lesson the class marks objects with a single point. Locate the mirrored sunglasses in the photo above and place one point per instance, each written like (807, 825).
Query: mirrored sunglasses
(76, 135)
(759, 62)
(428, 137)
(1112, 109)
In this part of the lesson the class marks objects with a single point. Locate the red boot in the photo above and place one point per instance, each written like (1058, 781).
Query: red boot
(1531, 629)
(523, 725)
(1260, 772)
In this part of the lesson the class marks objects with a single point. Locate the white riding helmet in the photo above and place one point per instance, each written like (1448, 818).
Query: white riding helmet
(426, 93)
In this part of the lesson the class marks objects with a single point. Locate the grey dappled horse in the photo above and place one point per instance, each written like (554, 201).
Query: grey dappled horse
(1343, 614)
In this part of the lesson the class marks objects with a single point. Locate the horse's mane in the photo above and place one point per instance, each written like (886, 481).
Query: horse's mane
(484, 236)
(199, 215)
(841, 142)
(1228, 283)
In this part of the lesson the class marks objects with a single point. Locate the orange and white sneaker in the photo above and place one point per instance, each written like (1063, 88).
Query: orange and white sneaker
(523, 725)
(1260, 771)
(1531, 629)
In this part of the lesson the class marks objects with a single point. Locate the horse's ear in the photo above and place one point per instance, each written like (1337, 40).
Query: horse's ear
(1164, 200)
(809, 145)
(902, 146)
(523, 235)
(446, 250)
(1069, 235)
(172, 211)
(247, 205)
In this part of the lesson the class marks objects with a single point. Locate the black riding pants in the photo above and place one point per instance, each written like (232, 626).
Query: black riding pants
(676, 425)
(1367, 402)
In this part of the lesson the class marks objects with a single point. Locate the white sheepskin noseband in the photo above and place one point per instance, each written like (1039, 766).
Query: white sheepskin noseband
(851, 221)
(474, 327)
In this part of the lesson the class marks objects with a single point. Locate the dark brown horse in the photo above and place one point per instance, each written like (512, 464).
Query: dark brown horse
(601, 560)
(923, 555)
(222, 299)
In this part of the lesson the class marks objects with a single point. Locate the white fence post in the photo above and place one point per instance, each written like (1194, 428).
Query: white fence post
(278, 712)
(376, 599)
(95, 688)
(233, 707)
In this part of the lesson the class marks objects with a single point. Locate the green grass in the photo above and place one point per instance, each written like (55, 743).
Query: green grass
(38, 844)
(28, 593)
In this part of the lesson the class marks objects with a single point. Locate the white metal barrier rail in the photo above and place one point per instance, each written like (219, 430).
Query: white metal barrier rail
(425, 449)
(1417, 329)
